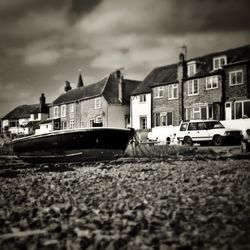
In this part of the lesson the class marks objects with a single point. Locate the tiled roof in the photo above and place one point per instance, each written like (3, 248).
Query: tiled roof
(168, 74)
(205, 63)
(81, 93)
(161, 75)
(108, 87)
(23, 111)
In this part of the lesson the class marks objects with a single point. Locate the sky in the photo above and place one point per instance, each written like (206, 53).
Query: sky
(45, 43)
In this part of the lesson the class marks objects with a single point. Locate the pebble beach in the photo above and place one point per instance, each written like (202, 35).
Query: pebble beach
(134, 203)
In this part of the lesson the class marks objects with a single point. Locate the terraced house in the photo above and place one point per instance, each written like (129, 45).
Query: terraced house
(214, 86)
(105, 103)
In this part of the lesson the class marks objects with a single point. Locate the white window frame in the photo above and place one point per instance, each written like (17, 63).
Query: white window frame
(63, 110)
(219, 60)
(159, 92)
(191, 65)
(171, 91)
(234, 73)
(72, 110)
(98, 103)
(142, 98)
(214, 82)
(196, 110)
(56, 111)
(98, 119)
(242, 108)
(191, 87)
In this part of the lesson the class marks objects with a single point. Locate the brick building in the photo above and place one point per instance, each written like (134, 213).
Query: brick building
(214, 86)
(105, 103)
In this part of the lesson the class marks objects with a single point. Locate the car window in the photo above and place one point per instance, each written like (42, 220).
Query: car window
(183, 127)
(192, 126)
(213, 125)
(201, 126)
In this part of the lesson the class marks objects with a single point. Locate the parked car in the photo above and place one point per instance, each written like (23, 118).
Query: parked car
(207, 131)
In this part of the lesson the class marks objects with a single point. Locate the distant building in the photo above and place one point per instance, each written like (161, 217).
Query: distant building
(214, 86)
(25, 118)
(105, 103)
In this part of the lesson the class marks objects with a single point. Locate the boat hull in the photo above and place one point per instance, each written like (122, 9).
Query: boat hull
(92, 144)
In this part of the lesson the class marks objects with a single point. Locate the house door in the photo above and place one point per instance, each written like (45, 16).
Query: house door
(228, 111)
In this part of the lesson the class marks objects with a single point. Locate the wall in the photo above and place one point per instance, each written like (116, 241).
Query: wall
(87, 111)
(237, 91)
(163, 104)
(116, 115)
(204, 96)
(138, 109)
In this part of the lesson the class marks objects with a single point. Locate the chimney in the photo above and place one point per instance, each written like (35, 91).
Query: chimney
(119, 77)
(67, 87)
(43, 107)
(80, 81)
(180, 76)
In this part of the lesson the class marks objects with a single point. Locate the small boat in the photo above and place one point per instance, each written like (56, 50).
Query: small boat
(73, 145)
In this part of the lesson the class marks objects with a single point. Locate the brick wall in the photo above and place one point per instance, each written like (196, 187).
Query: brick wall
(237, 91)
(163, 104)
(204, 96)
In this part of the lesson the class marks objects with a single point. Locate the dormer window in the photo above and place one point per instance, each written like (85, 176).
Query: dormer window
(219, 62)
(191, 68)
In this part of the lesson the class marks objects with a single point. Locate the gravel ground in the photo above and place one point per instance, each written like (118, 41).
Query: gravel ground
(161, 205)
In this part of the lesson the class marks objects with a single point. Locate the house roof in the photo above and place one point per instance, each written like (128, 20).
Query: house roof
(168, 74)
(23, 111)
(205, 63)
(158, 76)
(108, 87)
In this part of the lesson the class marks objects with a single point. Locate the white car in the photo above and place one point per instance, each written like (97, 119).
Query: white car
(205, 131)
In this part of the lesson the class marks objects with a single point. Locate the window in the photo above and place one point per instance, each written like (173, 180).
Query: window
(242, 109)
(212, 82)
(64, 125)
(219, 62)
(235, 77)
(191, 68)
(72, 123)
(97, 103)
(163, 119)
(159, 92)
(142, 98)
(63, 111)
(72, 108)
(98, 119)
(127, 121)
(193, 87)
(143, 122)
(173, 91)
(196, 113)
(56, 113)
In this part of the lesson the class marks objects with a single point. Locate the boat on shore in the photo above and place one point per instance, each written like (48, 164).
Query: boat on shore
(73, 145)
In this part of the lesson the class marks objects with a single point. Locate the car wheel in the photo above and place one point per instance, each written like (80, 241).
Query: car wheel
(188, 141)
(217, 140)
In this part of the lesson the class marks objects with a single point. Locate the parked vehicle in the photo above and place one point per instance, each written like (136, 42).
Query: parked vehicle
(163, 135)
(207, 131)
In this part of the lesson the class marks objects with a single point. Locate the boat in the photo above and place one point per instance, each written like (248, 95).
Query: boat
(73, 145)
